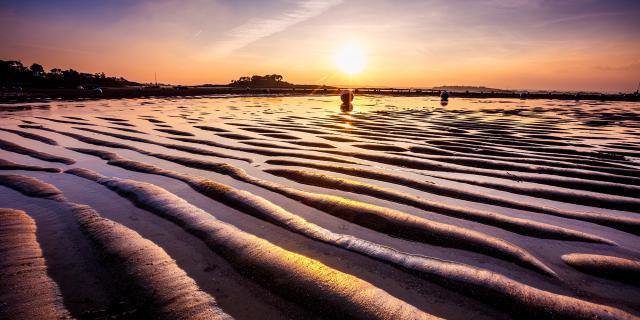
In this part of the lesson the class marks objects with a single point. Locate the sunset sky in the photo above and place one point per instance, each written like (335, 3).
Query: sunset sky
(515, 44)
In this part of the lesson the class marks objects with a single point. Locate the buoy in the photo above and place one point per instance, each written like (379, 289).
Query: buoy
(346, 96)
(444, 95)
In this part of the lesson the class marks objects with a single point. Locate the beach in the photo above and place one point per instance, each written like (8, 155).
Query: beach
(282, 206)
(13, 95)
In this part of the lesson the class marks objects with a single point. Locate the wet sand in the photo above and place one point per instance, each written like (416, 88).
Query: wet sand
(288, 208)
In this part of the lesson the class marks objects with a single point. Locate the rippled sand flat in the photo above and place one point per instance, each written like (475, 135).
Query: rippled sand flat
(288, 208)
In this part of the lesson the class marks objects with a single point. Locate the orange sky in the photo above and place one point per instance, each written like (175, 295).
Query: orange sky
(516, 44)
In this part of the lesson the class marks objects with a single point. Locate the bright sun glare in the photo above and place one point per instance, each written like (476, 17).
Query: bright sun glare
(350, 59)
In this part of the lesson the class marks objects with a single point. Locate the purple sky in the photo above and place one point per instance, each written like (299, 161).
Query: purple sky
(564, 45)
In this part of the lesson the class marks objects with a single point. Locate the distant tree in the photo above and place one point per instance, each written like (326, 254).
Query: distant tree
(16, 65)
(37, 69)
(14, 73)
(70, 73)
(266, 81)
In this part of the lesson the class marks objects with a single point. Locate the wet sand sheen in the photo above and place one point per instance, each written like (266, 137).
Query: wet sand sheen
(447, 196)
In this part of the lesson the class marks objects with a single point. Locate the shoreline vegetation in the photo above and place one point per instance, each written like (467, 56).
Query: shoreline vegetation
(20, 84)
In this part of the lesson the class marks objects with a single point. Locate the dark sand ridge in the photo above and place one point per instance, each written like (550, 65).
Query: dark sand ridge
(267, 129)
(552, 150)
(208, 128)
(75, 118)
(126, 130)
(66, 122)
(261, 130)
(270, 144)
(593, 154)
(12, 147)
(512, 152)
(291, 127)
(266, 152)
(147, 275)
(373, 217)
(175, 132)
(499, 151)
(235, 136)
(124, 124)
(431, 165)
(31, 136)
(568, 196)
(312, 144)
(621, 269)
(337, 139)
(623, 145)
(517, 225)
(26, 291)
(9, 165)
(301, 279)
(153, 120)
(621, 223)
(265, 144)
(509, 138)
(112, 119)
(520, 160)
(359, 133)
(558, 169)
(111, 144)
(280, 136)
(496, 289)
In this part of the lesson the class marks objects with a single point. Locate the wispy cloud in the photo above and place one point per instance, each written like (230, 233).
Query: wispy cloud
(579, 17)
(616, 68)
(258, 28)
(512, 4)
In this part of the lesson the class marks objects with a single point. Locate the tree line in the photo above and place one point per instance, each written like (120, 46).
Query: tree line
(14, 74)
(267, 81)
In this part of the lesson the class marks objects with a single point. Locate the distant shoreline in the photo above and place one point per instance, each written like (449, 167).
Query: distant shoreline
(43, 95)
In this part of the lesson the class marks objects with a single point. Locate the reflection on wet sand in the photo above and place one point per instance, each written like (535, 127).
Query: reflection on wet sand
(421, 207)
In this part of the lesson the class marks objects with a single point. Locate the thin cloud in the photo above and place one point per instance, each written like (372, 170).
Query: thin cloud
(256, 29)
(574, 18)
(627, 67)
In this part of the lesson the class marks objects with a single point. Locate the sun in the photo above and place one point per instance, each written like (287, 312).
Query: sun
(350, 59)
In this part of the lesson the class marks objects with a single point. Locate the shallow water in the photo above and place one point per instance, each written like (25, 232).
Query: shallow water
(559, 156)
